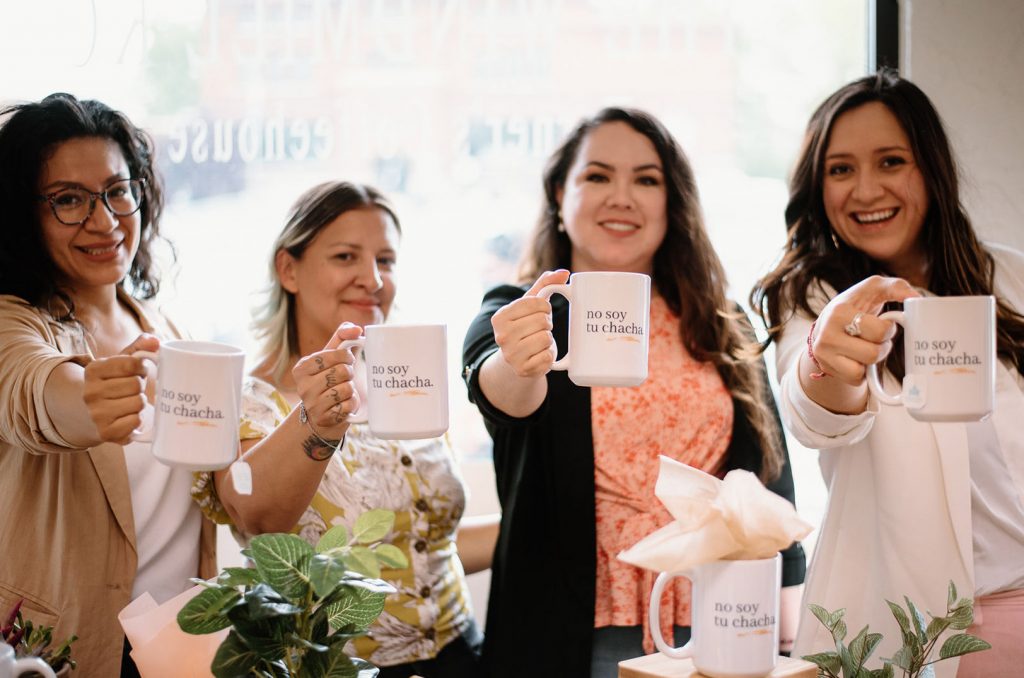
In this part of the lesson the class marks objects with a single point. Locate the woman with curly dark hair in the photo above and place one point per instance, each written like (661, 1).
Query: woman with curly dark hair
(91, 519)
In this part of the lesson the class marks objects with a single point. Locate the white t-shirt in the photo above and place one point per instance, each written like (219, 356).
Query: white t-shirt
(167, 524)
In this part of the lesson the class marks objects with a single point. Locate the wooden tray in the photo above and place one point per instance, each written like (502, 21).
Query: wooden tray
(660, 666)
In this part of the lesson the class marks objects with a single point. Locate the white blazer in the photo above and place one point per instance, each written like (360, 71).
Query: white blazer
(898, 520)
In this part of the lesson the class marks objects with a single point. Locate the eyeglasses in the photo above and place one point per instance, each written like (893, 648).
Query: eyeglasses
(74, 206)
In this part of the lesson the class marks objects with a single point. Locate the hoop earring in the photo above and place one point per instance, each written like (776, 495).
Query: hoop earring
(835, 240)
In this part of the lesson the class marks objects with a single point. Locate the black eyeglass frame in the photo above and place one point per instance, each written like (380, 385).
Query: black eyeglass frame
(93, 195)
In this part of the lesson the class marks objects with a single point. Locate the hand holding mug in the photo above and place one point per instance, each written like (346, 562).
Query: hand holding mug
(848, 335)
(522, 329)
(324, 383)
(114, 391)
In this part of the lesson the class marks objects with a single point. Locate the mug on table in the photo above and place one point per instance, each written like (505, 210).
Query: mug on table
(12, 668)
(734, 613)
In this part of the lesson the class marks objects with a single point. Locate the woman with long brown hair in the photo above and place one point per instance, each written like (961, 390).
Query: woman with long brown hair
(576, 466)
(874, 218)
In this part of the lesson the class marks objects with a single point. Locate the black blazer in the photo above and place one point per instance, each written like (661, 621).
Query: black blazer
(540, 616)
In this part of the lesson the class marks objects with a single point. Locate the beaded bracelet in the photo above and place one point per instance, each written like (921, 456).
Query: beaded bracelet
(310, 450)
(820, 374)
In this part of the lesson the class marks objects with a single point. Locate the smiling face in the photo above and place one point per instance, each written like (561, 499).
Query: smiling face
(345, 274)
(614, 202)
(874, 193)
(98, 254)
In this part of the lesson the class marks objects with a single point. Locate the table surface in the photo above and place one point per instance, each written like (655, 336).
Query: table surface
(660, 666)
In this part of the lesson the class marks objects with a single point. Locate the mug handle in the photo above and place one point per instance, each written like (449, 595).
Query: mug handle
(545, 293)
(874, 382)
(684, 652)
(33, 665)
(144, 433)
(365, 417)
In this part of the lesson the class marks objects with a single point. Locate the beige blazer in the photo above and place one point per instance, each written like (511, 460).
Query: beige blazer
(898, 521)
(67, 535)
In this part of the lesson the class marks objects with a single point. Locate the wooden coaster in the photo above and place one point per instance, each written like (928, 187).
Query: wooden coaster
(660, 666)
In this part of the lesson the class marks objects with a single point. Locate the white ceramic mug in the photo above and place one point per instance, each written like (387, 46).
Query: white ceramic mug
(11, 667)
(734, 611)
(406, 380)
(609, 324)
(950, 351)
(194, 422)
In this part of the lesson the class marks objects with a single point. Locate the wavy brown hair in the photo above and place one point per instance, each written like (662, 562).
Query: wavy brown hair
(687, 273)
(30, 134)
(813, 255)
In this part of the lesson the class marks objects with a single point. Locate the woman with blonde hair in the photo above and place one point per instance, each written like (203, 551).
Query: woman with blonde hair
(332, 273)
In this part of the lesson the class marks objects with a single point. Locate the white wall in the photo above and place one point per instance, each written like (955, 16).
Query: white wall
(968, 58)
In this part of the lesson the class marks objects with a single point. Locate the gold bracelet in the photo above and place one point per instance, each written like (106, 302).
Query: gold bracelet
(332, 445)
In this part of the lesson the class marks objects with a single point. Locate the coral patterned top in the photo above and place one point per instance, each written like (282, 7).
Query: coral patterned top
(683, 411)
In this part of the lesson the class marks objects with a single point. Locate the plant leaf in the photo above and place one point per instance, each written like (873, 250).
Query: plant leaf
(839, 631)
(961, 617)
(265, 603)
(936, 627)
(362, 560)
(233, 658)
(238, 576)
(859, 648)
(359, 608)
(884, 672)
(909, 637)
(205, 613)
(335, 537)
(918, 620)
(391, 556)
(961, 644)
(951, 596)
(827, 661)
(331, 664)
(373, 526)
(326, 573)
(903, 658)
(822, 615)
(282, 560)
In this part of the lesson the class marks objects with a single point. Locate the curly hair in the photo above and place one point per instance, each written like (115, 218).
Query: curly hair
(30, 134)
(812, 256)
(687, 272)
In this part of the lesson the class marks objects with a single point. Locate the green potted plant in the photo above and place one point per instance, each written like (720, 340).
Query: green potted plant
(294, 611)
(913, 658)
(29, 640)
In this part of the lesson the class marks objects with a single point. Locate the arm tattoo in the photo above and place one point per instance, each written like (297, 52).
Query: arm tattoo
(316, 450)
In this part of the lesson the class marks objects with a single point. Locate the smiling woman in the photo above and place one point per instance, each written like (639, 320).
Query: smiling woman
(875, 195)
(333, 273)
(82, 205)
(576, 466)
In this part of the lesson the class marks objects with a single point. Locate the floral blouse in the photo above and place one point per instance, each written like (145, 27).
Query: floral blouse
(684, 411)
(418, 480)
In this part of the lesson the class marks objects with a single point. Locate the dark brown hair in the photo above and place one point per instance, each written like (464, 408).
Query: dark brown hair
(28, 138)
(957, 262)
(687, 272)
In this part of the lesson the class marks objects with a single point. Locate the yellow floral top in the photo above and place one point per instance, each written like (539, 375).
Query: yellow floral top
(418, 480)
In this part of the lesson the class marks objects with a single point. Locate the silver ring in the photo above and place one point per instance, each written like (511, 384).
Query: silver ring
(853, 328)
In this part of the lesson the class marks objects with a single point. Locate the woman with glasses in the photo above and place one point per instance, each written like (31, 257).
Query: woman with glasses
(90, 518)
